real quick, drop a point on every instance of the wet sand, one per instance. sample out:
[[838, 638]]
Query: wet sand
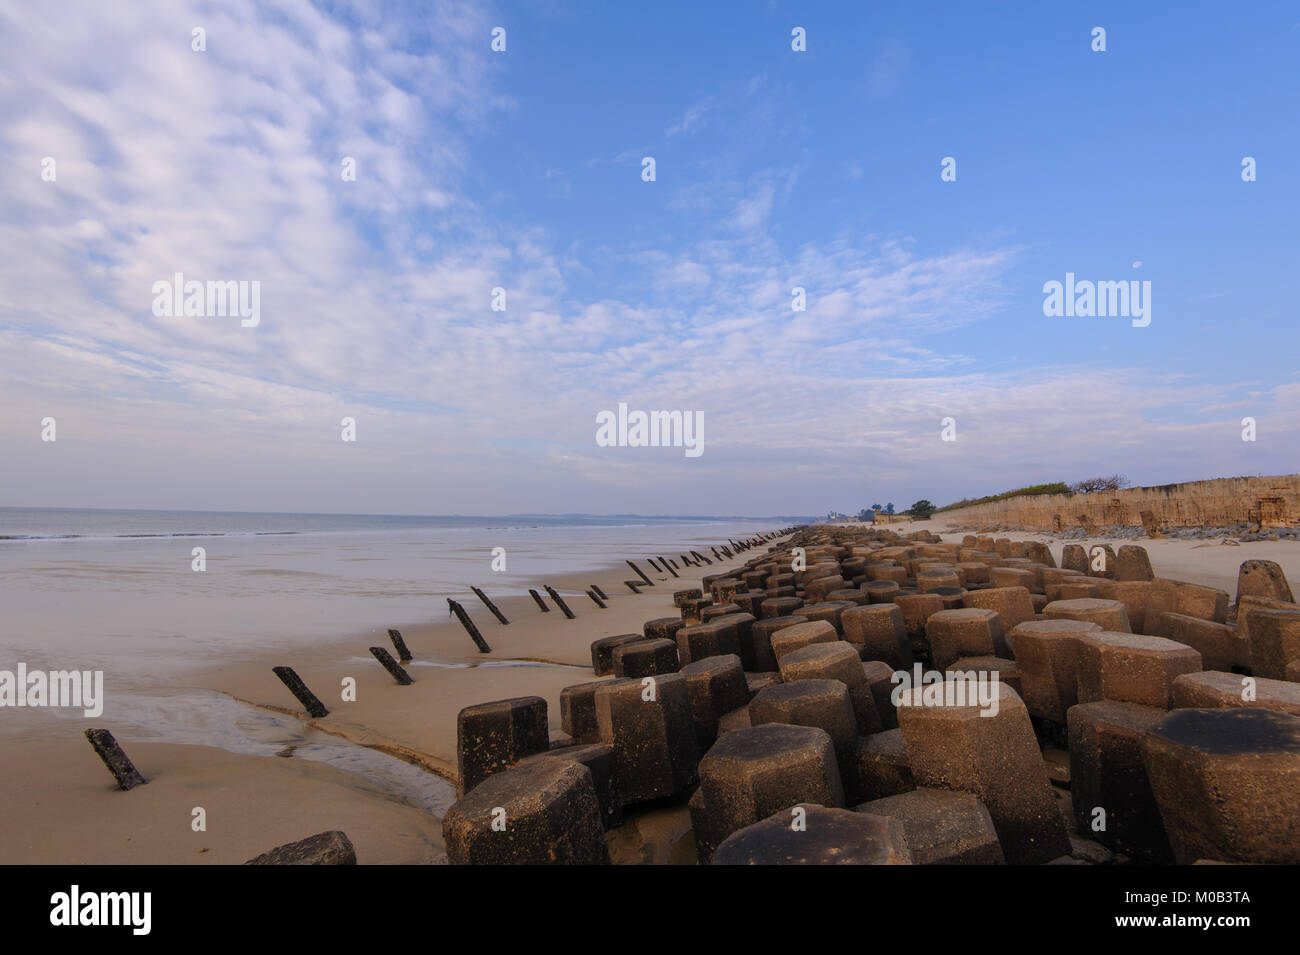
[[61, 804]]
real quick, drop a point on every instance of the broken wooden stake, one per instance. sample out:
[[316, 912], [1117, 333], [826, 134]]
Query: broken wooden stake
[[664, 564], [559, 601], [392, 666], [468, 624], [314, 707], [541, 604], [599, 603], [489, 604], [118, 763], [633, 585], [399, 644], [698, 556], [640, 573], [600, 593]]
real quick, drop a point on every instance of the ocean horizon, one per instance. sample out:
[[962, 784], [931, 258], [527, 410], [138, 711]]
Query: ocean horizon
[[19, 524]]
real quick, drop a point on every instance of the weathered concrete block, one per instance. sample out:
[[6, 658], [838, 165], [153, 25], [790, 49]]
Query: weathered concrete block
[[692, 609], [849, 595], [880, 678], [324, 848], [1047, 653], [815, 835], [880, 631], [1246, 604], [578, 711], [815, 591], [724, 588], [779, 606], [968, 632], [493, 736], [1227, 782], [716, 686], [719, 610], [1134, 595], [1110, 615], [1274, 641], [1006, 671], [917, 609], [1132, 668], [1215, 642], [835, 661], [1011, 577], [1074, 557], [1071, 590], [650, 726], [602, 651], [761, 640], [706, 640], [881, 764], [993, 757], [681, 596], [1101, 561], [599, 759], [1182, 597], [1012, 604], [1263, 578], [543, 813], [891, 572], [663, 628], [800, 635], [927, 580], [646, 658], [1215, 689], [1133, 563], [1110, 793], [824, 704], [751, 773], [942, 827], [880, 591], [826, 611]]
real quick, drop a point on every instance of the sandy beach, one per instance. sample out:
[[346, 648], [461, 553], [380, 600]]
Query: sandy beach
[[254, 802], [63, 806]]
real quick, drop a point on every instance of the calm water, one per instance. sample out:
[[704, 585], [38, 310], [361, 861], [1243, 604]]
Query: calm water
[[115, 590]]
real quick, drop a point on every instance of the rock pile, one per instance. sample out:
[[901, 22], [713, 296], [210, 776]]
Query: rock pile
[[856, 696]]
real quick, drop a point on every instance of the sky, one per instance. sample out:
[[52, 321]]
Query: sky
[[522, 169]]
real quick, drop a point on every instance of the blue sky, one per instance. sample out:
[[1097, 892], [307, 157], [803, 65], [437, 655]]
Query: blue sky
[[522, 170]]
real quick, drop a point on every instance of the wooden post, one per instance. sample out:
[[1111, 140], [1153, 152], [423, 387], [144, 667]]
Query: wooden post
[[399, 645], [468, 624], [663, 563], [118, 763], [698, 556], [490, 605], [392, 666], [540, 602], [559, 601], [599, 603], [640, 573], [314, 707], [633, 585], [600, 593]]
